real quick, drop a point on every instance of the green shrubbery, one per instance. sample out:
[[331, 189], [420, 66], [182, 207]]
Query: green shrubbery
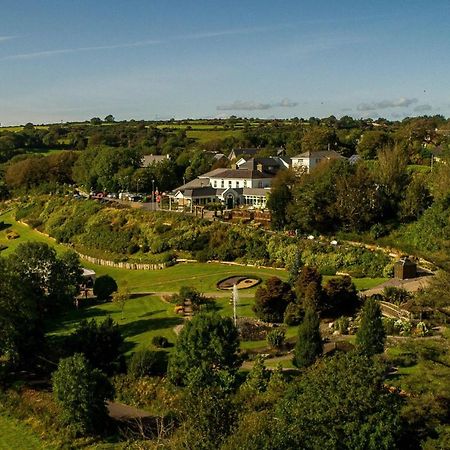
[[128, 234], [146, 363]]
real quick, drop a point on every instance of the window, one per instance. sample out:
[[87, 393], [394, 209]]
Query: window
[[237, 184], [222, 183], [215, 183], [229, 183], [245, 183]]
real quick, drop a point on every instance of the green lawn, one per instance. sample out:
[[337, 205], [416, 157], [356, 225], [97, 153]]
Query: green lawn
[[367, 283], [203, 276], [143, 318], [16, 435], [26, 234]]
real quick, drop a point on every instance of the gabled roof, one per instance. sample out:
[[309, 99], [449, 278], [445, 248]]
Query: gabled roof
[[243, 151], [255, 191], [242, 174], [329, 154], [148, 160], [195, 183], [213, 173], [206, 191]]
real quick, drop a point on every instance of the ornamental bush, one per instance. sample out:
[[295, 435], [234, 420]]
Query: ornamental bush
[[276, 338], [147, 363], [104, 286]]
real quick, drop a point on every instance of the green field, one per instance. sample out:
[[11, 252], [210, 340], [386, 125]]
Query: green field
[[202, 136], [15, 435]]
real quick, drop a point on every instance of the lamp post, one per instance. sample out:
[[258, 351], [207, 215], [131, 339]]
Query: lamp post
[[153, 195]]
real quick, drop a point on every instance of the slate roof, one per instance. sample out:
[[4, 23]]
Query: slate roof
[[320, 154], [148, 160]]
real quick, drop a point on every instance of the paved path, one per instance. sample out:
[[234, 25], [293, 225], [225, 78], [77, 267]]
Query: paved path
[[120, 411], [411, 285]]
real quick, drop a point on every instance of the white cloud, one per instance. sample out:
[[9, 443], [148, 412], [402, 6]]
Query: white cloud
[[143, 43], [423, 108], [401, 102], [78, 49], [7, 38], [286, 103], [240, 105]]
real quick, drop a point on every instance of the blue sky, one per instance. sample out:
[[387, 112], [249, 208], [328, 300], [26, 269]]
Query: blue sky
[[76, 59]]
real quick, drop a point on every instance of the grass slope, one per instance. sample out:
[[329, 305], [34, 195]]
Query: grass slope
[[143, 318], [16, 435]]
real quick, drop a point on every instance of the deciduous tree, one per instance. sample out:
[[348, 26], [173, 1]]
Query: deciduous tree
[[206, 351], [82, 393]]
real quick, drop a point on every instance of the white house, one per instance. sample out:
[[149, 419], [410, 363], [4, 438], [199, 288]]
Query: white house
[[247, 185], [308, 160]]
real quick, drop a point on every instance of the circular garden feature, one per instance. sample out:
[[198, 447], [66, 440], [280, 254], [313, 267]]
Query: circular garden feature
[[241, 282]]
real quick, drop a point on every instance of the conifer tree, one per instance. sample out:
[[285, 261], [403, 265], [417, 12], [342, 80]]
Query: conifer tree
[[371, 335], [309, 342]]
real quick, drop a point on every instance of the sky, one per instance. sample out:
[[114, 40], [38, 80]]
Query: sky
[[67, 60]]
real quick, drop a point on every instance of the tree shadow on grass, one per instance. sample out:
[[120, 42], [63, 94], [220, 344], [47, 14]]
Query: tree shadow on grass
[[70, 319], [152, 313], [137, 295], [137, 327]]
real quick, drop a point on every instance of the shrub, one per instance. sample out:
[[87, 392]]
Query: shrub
[[276, 338], [100, 342], [341, 295], [160, 341], [293, 314], [132, 249], [104, 286], [378, 230], [342, 324], [147, 363], [272, 300], [395, 295], [81, 393], [389, 326]]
